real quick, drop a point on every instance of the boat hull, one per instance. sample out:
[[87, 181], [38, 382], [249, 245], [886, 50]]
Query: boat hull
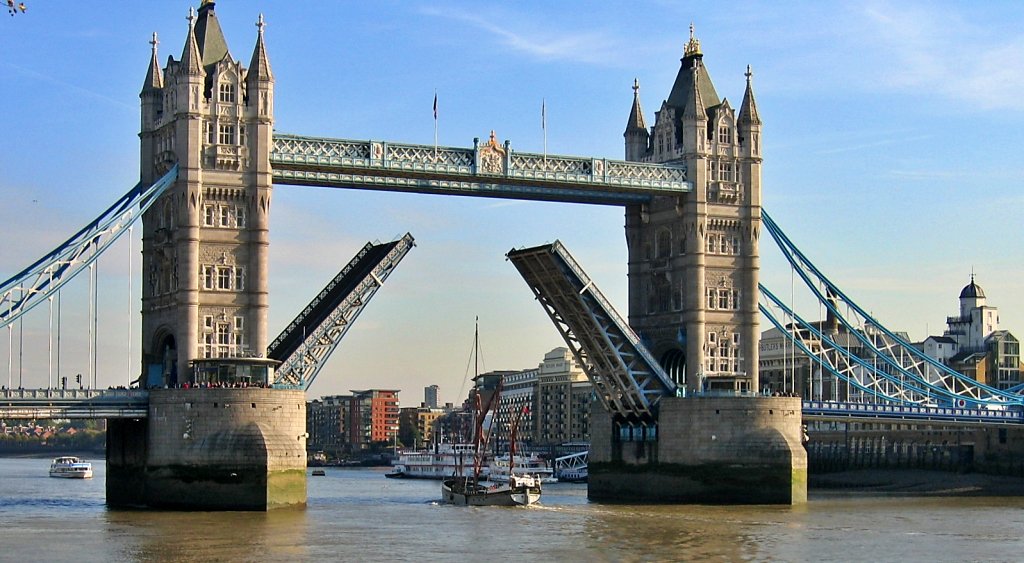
[[75, 474]]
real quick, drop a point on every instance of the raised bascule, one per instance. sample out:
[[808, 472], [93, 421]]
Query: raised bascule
[[218, 419]]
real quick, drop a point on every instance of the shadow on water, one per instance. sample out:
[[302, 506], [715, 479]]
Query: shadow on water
[[278, 535]]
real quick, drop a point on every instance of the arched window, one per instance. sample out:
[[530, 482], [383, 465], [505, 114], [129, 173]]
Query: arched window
[[663, 243], [226, 93]]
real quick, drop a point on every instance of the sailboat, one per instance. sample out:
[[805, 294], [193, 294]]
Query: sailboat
[[472, 490]]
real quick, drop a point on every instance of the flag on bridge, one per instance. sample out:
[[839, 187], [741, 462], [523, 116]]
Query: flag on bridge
[[544, 124]]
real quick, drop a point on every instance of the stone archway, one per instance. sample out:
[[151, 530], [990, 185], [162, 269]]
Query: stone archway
[[673, 361], [168, 356]]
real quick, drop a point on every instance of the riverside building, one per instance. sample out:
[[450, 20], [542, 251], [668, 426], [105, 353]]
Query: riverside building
[[974, 345]]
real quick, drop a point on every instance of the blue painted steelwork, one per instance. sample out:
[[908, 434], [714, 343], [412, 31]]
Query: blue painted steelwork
[[487, 170], [626, 378], [74, 403], [824, 362], [35, 284], [831, 410], [926, 373]]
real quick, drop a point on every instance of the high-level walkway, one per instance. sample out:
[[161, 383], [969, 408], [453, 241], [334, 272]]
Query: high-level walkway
[[485, 170]]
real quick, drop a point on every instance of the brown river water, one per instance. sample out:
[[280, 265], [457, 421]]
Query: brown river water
[[358, 515]]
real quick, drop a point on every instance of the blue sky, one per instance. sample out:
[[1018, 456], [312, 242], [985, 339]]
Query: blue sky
[[892, 140]]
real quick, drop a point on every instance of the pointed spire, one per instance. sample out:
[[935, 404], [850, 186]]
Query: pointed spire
[[695, 108], [636, 115], [154, 79], [259, 66], [191, 58], [748, 109]]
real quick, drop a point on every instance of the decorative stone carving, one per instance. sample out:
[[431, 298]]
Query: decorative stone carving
[[492, 157]]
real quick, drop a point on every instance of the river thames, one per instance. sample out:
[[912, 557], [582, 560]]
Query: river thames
[[357, 514]]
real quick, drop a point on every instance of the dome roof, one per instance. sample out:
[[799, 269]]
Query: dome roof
[[972, 291]]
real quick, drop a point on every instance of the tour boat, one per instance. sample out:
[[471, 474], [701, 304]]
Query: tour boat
[[69, 467], [445, 460]]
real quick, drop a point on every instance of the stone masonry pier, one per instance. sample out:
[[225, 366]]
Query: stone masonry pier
[[716, 450], [211, 449]]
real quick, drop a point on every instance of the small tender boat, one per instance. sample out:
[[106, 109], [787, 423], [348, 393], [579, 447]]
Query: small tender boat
[[319, 473], [70, 467]]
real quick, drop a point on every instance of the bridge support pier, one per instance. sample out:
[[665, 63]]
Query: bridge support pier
[[211, 449], [712, 450]]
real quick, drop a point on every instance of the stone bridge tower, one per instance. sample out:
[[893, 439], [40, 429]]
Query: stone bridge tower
[[693, 260], [205, 243]]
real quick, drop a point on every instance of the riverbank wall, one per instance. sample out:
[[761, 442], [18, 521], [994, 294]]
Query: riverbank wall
[[990, 450]]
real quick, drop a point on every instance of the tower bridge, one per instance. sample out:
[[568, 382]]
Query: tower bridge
[[680, 416]]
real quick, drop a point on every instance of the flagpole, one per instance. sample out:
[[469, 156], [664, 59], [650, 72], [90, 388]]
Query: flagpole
[[544, 124], [435, 123]]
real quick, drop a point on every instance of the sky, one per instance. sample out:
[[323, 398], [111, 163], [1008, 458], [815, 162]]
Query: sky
[[892, 135]]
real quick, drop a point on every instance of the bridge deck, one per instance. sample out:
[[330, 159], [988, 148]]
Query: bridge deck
[[74, 403], [487, 170]]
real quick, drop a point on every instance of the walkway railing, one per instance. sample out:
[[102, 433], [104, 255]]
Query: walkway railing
[[74, 403], [829, 410]]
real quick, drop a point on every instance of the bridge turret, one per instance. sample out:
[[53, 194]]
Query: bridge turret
[[693, 260], [152, 100], [636, 134], [205, 244], [259, 128], [748, 178]]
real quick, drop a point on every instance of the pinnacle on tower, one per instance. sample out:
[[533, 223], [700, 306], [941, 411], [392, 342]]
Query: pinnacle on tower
[[191, 57], [636, 115], [154, 78], [259, 66], [693, 45], [748, 109]]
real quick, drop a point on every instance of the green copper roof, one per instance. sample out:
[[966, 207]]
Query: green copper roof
[[682, 87], [209, 35]]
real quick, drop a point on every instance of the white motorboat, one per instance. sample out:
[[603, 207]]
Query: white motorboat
[[70, 467]]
